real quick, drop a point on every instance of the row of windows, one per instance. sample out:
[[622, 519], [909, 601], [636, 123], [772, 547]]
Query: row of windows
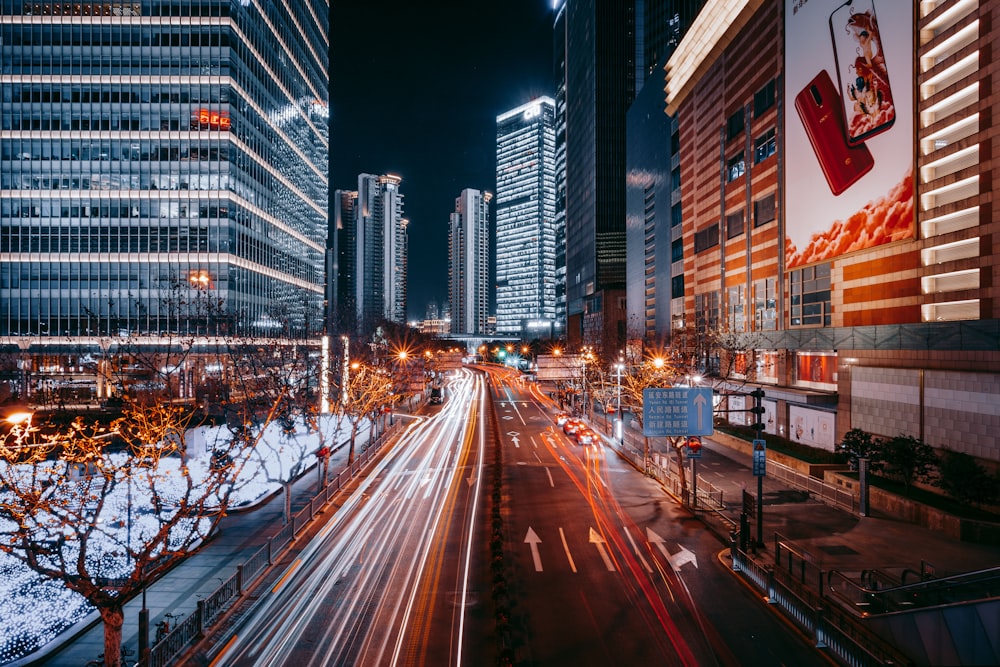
[[185, 8], [735, 225], [764, 147], [141, 94], [113, 151], [763, 100]]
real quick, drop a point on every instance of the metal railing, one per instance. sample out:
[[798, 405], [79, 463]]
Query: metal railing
[[788, 584], [215, 605]]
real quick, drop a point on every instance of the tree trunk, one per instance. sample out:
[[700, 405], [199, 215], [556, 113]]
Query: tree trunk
[[675, 443], [113, 618], [287, 484]]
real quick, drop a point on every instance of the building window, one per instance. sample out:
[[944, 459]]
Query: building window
[[677, 287], [763, 146], [735, 167], [734, 307], [677, 250], [763, 99], [675, 215], [734, 224], [706, 320], [675, 177], [675, 143], [765, 303], [810, 295], [706, 238], [763, 210], [735, 125]]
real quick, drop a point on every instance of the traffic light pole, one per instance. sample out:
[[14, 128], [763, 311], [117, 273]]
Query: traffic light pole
[[758, 426]]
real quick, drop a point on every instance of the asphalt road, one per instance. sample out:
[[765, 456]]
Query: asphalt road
[[608, 569], [386, 581]]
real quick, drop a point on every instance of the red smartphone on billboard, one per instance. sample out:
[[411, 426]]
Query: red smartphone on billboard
[[861, 71], [820, 110]]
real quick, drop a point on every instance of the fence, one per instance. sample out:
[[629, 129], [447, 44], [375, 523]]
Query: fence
[[212, 608], [795, 586]]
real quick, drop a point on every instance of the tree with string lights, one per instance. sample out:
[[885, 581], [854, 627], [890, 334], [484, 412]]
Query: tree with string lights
[[66, 507]]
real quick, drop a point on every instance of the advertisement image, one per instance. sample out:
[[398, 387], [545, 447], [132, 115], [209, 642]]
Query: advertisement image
[[849, 145]]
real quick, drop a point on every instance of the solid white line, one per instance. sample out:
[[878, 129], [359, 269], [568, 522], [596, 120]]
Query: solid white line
[[569, 556], [551, 482]]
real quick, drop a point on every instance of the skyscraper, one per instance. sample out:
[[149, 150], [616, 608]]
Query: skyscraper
[[525, 215], [600, 83], [469, 262], [380, 245], [158, 161]]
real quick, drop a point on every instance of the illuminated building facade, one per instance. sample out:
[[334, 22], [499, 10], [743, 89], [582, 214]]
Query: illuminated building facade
[[469, 262], [865, 286], [163, 167], [525, 220], [379, 251]]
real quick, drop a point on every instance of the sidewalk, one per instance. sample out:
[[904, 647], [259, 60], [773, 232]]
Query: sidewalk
[[828, 537]]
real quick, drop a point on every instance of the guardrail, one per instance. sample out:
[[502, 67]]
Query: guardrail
[[215, 605], [786, 585]]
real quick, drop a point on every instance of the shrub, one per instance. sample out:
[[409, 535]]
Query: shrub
[[906, 459], [859, 444], [965, 480]]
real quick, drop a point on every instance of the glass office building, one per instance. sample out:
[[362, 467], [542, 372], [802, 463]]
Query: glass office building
[[525, 214], [163, 167]]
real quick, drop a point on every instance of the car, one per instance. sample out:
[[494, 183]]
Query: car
[[572, 426], [561, 418], [585, 436]]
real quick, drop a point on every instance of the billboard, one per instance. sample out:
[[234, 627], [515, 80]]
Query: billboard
[[558, 367], [849, 127]]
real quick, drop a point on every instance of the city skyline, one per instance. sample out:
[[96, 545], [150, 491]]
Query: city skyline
[[423, 106]]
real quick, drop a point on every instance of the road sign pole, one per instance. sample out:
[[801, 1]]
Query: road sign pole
[[694, 482], [760, 510]]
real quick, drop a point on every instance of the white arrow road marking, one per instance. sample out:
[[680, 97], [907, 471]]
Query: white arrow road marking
[[517, 443], [532, 540], [635, 548], [681, 557], [677, 560], [598, 541], [569, 556]]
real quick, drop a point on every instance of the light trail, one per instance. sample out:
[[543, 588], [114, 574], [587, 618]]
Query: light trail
[[363, 591]]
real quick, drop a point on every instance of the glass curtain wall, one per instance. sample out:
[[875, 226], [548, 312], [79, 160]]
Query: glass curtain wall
[[163, 167]]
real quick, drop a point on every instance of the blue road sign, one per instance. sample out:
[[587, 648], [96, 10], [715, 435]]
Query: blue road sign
[[677, 411], [759, 458]]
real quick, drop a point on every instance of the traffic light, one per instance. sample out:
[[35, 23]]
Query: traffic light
[[757, 410]]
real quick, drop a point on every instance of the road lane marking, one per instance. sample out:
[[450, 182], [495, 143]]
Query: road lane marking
[[598, 541], [532, 540], [533, 443], [569, 556], [551, 482], [635, 548]]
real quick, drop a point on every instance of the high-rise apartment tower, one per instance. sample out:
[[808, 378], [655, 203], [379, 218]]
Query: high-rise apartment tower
[[469, 262]]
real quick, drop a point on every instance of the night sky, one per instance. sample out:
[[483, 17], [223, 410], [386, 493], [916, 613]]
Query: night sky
[[415, 90]]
